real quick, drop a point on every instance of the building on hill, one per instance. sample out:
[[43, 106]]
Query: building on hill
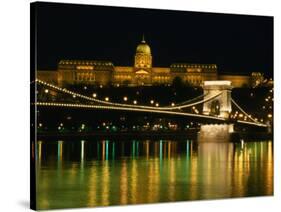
[[142, 73]]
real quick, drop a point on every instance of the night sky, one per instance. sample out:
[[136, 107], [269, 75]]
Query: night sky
[[236, 43]]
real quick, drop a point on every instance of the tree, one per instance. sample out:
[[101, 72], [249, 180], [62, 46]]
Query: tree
[[177, 82]]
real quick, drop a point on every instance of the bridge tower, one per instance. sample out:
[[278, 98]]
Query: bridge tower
[[220, 105]]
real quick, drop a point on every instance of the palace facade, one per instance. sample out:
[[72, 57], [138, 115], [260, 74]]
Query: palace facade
[[142, 73]]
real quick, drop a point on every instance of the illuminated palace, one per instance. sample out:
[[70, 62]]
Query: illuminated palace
[[142, 73]]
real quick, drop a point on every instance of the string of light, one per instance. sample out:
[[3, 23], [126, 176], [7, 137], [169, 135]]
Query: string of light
[[246, 114], [55, 104], [177, 106]]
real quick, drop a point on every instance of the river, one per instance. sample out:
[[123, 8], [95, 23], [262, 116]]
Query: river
[[96, 172]]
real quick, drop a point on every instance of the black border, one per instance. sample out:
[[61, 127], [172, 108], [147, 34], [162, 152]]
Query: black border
[[33, 46]]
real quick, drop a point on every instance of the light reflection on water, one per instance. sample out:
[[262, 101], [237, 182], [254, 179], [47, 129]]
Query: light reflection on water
[[99, 173]]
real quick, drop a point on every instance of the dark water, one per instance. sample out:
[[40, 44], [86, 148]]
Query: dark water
[[93, 172]]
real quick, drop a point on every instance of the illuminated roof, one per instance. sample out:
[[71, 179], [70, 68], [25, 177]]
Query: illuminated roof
[[143, 48]]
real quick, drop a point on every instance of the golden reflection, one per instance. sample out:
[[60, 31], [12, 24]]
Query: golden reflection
[[172, 180], [169, 149], [156, 180], [147, 149], [124, 184], [73, 171], [105, 184], [92, 193], [194, 176], [134, 182], [150, 184], [203, 171], [269, 170]]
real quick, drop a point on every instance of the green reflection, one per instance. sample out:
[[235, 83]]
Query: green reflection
[[164, 170]]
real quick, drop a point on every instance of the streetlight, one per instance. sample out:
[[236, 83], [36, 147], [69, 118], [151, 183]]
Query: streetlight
[[135, 102], [156, 104], [94, 95], [269, 115], [152, 101], [125, 98], [46, 91], [173, 104], [106, 99]]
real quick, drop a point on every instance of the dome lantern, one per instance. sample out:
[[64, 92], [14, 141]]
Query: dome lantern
[[143, 47]]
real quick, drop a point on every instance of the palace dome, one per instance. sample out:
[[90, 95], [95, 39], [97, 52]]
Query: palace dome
[[143, 48]]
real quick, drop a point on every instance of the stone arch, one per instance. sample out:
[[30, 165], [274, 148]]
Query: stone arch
[[223, 101]]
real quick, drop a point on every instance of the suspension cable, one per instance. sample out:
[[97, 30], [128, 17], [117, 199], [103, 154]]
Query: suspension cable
[[244, 111], [178, 106]]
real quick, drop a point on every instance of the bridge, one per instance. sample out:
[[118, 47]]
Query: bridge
[[216, 100]]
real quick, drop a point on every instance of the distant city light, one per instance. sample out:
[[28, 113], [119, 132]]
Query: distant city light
[[94, 95], [269, 115], [151, 101], [46, 91], [125, 98], [135, 102], [106, 99], [157, 104], [173, 104]]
